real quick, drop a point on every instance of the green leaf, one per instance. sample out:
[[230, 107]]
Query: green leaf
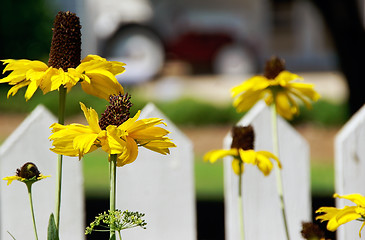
[[113, 237], [52, 229]]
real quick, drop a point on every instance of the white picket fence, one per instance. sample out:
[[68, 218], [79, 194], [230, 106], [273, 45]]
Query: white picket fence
[[163, 186]]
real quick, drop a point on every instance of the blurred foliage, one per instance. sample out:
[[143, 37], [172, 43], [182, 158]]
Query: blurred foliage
[[185, 111], [25, 29], [324, 113]]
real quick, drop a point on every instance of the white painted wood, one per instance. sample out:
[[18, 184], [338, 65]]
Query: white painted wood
[[261, 205], [349, 168], [29, 143], [162, 187]]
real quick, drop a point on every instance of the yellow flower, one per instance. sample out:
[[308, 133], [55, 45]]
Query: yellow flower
[[12, 178], [259, 158], [28, 174], [276, 86], [123, 140], [95, 74], [242, 152], [337, 217]]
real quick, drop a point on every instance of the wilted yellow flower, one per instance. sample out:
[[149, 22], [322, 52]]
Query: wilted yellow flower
[[337, 217], [123, 139], [242, 152], [276, 86]]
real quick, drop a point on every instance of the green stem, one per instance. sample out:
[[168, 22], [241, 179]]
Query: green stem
[[29, 186], [113, 179], [61, 120], [279, 182], [240, 207]]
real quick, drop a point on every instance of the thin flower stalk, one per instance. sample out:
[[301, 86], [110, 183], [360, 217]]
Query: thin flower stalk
[[61, 120], [29, 187], [279, 181], [240, 203], [112, 198]]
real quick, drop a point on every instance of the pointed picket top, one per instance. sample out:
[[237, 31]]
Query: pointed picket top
[[349, 167], [161, 186], [29, 143], [261, 205]]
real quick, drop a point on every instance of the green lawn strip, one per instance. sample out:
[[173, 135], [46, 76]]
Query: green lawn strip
[[96, 174], [209, 184], [322, 178]]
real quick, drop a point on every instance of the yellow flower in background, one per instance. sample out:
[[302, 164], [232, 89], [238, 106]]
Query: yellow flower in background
[[337, 217], [28, 174], [95, 74], [122, 138], [277, 86], [259, 158], [242, 152]]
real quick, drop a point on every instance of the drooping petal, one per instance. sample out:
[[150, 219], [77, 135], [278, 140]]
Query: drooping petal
[[264, 164], [255, 83], [270, 155], [237, 167], [284, 106], [247, 100], [99, 75], [129, 154], [248, 156], [214, 155], [116, 140], [160, 146], [347, 214], [357, 198]]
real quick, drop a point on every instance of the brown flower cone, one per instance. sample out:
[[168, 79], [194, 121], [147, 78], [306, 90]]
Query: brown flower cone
[[66, 41]]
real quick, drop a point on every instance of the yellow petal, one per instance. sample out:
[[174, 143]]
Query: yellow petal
[[237, 167], [160, 146], [253, 84], [214, 155], [11, 179], [357, 198], [247, 100], [91, 117], [270, 155], [130, 153]]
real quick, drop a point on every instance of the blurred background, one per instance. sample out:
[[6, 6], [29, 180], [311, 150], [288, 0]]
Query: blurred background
[[185, 56]]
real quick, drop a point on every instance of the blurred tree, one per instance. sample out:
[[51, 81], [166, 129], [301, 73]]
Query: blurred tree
[[25, 29], [345, 25]]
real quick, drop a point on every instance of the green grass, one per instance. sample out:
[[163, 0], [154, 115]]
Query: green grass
[[322, 179], [208, 178], [185, 111]]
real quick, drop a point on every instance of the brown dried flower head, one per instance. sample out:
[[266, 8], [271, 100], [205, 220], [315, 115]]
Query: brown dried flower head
[[66, 41], [117, 112], [243, 137], [273, 67]]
